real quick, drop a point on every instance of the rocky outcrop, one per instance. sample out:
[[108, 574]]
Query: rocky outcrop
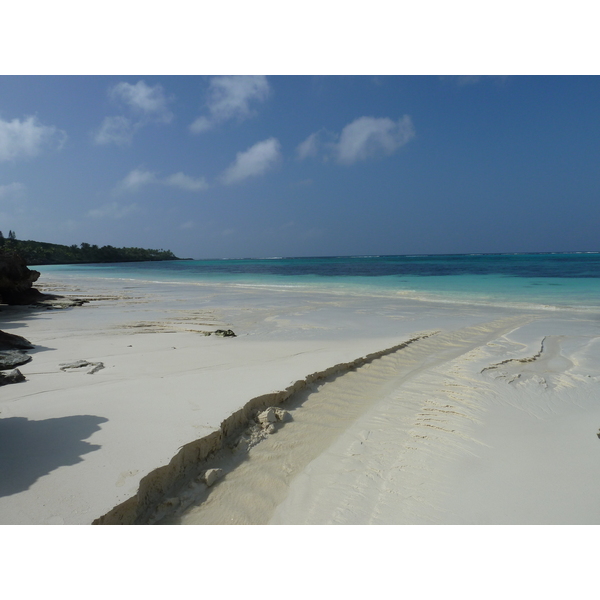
[[16, 287], [12, 355], [11, 377], [10, 341], [16, 280], [224, 333], [10, 359]]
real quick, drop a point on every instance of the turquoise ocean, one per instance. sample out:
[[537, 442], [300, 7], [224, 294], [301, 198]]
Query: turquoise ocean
[[556, 280]]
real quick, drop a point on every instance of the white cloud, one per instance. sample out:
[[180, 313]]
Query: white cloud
[[24, 139], [255, 161], [188, 225], [149, 101], [146, 104], [185, 182], [309, 147], [115, 130], [135, 180], [11, 190], [112, 210], [201, 124], [364, 138], [229, 97], [368, 137], [138, 178]]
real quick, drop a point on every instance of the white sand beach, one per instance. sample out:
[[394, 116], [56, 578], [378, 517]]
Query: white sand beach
[[471, 415]]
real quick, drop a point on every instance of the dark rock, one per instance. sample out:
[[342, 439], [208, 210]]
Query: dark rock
[[8, 341], [225, 333], [12, 377], [16, 280], [13, 358]]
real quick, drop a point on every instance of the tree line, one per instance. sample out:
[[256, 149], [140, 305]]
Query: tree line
[[45, 253]]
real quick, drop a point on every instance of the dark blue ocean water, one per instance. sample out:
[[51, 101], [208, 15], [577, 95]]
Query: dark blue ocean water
[[539, 279]]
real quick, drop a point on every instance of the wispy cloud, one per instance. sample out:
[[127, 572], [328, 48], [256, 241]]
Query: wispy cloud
[[320, 143], [368, 137], [185, 182], [201, 124], [230, 97], [113, 210], [115, 130], [145, 104], [139, 178], [135, 180], [257, 160], [27, 138], [149, 101], [309, 147], [364, 138]]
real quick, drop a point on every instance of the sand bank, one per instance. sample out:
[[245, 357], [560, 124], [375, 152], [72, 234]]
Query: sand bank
[[441, 429]]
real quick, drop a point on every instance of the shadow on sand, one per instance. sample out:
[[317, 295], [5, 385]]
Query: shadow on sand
[[31, 449]]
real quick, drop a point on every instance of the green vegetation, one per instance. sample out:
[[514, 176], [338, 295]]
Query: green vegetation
[[43, 253]]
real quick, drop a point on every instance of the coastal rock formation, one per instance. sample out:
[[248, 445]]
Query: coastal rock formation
[[12, 355], [225, 333], [11, 377], [8, 341], [13, 358], [16, 280]]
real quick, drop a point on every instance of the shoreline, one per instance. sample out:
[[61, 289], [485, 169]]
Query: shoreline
[[169, 396]]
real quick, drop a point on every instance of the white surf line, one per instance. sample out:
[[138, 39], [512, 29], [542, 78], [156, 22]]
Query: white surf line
[[258, 480]]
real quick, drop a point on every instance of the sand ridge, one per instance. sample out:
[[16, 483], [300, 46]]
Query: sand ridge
[[250, 493]]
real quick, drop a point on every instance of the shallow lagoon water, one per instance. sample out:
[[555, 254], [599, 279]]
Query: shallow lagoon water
[[537, 280]]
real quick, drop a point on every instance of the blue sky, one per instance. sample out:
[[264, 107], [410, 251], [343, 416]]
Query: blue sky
[[255, 166]]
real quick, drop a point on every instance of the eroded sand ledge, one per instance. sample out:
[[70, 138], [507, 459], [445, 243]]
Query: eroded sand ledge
[[165, 482]]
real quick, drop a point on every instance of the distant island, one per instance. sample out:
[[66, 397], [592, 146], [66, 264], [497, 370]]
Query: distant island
[[44, 253]]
